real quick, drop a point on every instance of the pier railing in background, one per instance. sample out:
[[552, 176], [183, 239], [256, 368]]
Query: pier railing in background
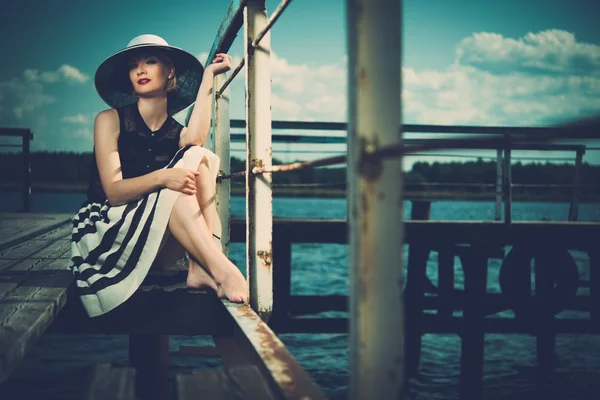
[[26, 138], [374, 174]]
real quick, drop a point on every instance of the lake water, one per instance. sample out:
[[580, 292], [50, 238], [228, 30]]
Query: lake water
[[57, 365]]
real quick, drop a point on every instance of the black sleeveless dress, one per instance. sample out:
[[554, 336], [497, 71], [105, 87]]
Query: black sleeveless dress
[[113, 247]]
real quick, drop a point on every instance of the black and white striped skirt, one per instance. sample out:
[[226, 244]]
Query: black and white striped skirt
[[113, 247]]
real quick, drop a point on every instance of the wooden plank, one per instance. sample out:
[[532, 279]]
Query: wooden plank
[[28, 252], [28, 310], [236, 383], [19, 227], [108, 382]]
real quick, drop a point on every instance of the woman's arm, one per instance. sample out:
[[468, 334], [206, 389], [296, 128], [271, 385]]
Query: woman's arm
[[199, 124], [118, 190]]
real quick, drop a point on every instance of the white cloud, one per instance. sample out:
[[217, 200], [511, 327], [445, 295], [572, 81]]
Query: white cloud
[[23, 97], [76, 119], [550, 51], [83, 132], [65, 73]]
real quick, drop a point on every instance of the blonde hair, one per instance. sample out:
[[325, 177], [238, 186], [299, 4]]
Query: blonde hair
[[163, 58]]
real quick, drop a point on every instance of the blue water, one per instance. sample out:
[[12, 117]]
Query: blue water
[[56, 366]]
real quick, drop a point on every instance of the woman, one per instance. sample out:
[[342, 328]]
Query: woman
[[151, 179]]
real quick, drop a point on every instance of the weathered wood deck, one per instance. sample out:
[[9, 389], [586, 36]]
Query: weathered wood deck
[[37, 295]]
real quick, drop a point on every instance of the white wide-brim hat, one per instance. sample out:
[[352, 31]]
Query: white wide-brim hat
[[112, 76]]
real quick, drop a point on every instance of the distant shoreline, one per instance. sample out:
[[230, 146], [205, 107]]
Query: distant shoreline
[[238, 190]]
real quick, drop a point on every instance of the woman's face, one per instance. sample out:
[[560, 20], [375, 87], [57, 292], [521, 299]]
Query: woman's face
[[148, 75]]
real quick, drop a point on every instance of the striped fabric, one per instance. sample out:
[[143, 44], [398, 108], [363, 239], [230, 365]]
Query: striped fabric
[[112, 248]]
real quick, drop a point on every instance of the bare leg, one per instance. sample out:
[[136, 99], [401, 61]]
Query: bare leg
[[198, 276], [189, 228]]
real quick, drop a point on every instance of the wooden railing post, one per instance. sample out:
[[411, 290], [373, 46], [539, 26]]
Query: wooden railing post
[[259, 199], [27, 171], [574, 208], [507, 181], [499, 186]]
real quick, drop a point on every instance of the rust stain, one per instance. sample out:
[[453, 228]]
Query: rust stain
[[370, 167], [258, 163], [285, 370], [266, 256]]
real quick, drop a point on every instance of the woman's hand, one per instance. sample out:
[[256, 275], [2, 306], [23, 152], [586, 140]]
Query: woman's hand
[[180, 179], [221, 63]]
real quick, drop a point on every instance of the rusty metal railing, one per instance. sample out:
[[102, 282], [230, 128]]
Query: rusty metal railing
[[374, 186]]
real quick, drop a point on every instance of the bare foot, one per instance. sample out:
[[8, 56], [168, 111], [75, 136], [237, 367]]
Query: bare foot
[[234, 285], [198, 278]]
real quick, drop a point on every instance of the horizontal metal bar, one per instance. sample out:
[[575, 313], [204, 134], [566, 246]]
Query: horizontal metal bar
[[313, 139], [552, 185], [583, 129], [272, 19], [22, 132], [231, 176], [11, 145], [300, 165]]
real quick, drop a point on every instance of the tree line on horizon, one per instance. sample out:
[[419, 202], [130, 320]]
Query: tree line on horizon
[[66, 167]]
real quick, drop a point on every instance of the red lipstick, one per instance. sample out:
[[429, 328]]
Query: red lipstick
[[143, 81]]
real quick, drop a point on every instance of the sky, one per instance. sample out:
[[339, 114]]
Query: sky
[[464, 62]]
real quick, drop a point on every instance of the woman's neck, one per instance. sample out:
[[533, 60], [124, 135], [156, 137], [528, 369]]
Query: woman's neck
[[153, 111]]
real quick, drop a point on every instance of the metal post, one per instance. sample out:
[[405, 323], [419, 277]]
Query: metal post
[[26, 171], [376, 200], [574, 209], [507, 183], [222, 150], [499, 187], [259, 200]]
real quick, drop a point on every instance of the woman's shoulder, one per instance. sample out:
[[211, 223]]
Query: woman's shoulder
[[107, 121], [107, 115]]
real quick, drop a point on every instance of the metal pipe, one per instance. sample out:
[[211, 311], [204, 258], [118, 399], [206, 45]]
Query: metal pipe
[[222, 150], [259, 198], [282, 6], [300, 165], [375, 200], [272, 19], [235, 72]]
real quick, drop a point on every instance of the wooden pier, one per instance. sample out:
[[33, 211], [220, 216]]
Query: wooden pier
[[37, 296]]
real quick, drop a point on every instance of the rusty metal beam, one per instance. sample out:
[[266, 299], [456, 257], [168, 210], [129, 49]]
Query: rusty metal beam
[[228, 30], [261, 346], [259, 197], [375, 198]]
